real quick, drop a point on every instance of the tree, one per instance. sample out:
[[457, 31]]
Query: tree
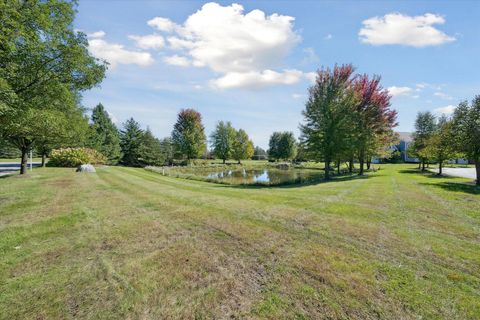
[[131, 138], [150, 150], [372, 116], [242, 147], [104, 137], [259, 154], [222, 139], [327, 115], [283, 145], [466, 125], [424, 128], [188, 134], [167, 150], [440, 145], [44, 64]]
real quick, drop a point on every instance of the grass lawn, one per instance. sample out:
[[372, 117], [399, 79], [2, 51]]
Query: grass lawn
[[126, 243], [18, 160]]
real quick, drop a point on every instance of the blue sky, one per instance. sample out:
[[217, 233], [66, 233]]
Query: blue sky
[[251, 63]]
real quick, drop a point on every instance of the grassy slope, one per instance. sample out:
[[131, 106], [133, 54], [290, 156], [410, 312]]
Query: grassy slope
[[127, 243]]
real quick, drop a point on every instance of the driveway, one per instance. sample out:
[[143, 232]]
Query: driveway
[[11, 167], [459, 172]]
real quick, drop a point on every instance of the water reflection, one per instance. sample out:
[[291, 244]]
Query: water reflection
[[265, 176]]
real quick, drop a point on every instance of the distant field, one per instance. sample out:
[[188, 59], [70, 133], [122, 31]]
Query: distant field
[[18, 160], [126, 243]]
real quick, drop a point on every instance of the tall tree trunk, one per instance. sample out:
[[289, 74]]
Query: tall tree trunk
[[419, 165], [440, 167], [477, 168], [423, 165], [223, 161], [43, 160], [350, 166], [361, 158], [338, 167], [327, 169], [369, 162], [24, 160]]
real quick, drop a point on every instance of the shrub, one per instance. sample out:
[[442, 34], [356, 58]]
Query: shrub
[[73, 157]]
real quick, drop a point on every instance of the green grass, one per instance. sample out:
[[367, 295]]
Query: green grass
[[18, 160], [126, 243]]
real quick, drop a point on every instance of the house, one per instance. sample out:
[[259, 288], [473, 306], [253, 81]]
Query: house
[[406, 138]]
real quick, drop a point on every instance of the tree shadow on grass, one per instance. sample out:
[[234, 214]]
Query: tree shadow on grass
[[456, 187], [428, 174]]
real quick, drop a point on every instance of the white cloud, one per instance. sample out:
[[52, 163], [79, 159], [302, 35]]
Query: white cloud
[[442, 95], [96, 34], [115, 53], [151, 41], [396, 28], [244, 48], [177, 60], [398, 91], [256, 79], [310, 76], [162, 24], [328, 36], [113, 118], [445, 110]]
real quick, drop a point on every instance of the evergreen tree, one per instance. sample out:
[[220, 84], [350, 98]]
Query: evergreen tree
[[222, 140], [283, 145], [188, 134], [242, 147], [131, 138], [274, 146], [150, 150], [104, 137], [167, 150]]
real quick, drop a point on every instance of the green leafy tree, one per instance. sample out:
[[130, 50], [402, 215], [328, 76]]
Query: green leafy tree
[[222, 139], [424, 128], [131, 138], [259, 154], [167, 150], [440, 145], [327, 115], [466, 125], [188, 134], [283, 145], [104, 134], [44, 64], [242, 146]]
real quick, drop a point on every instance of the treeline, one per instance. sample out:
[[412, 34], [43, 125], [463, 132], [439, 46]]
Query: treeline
[[444, 138]]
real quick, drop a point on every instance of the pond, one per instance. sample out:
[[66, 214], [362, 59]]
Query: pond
[[268, 176]]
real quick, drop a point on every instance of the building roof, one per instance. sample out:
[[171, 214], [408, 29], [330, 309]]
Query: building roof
[[406, 136]]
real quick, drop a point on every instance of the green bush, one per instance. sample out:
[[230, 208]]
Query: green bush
[[73, 157]]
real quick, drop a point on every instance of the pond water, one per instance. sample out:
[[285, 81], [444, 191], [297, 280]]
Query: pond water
[[268, 176]]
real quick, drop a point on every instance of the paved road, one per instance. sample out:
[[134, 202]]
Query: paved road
[[459, 172], [11, 167]]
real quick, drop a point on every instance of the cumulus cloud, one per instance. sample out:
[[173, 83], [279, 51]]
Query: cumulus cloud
[[177, 60], [257, 79], [151, 41], [162, 24], [245, 48], [396, 28], [96, 34], [398, 91], [115, 53], [445, 110]]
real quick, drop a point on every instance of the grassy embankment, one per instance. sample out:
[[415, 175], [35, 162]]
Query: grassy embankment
[[128, 243]]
